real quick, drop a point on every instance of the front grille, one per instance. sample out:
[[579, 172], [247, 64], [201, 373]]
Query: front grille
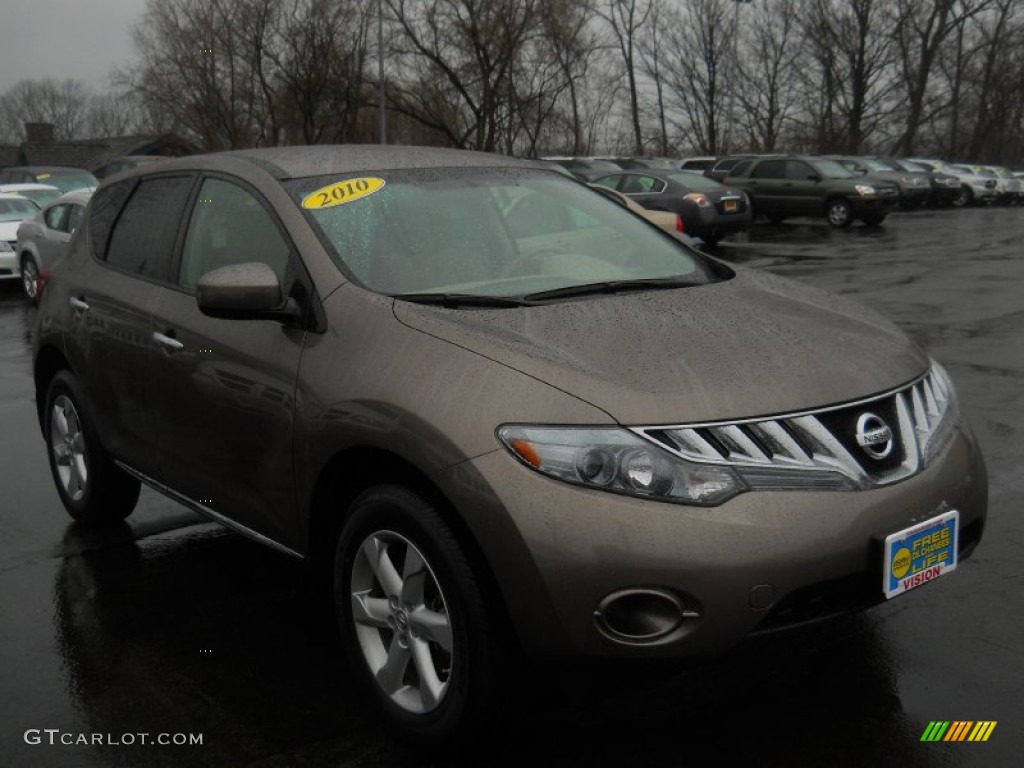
[[883, 191], [990, 184], [825, 441]]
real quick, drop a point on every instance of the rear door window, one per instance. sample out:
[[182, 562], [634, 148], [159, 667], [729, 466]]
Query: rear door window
[[770, 169], [106, 204], [143, 238]]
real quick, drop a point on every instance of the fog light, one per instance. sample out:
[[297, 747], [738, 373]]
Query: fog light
[[640, 615]]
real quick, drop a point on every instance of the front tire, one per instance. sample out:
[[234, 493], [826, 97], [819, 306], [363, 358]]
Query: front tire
[[839, 213], [418, 629], [965, 198], [875, 220], [93, 489], [30, 278]]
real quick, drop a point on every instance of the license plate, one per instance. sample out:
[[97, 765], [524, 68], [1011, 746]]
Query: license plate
[[921, 553], [731, 205]]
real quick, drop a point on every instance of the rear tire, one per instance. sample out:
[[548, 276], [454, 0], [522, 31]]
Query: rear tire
[[94, 490], [839, 213], [423, 638]]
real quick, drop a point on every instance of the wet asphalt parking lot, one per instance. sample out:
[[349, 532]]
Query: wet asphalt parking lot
[[168, 624]]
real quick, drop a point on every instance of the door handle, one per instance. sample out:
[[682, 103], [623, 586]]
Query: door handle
[[77, 303], [168, 341]]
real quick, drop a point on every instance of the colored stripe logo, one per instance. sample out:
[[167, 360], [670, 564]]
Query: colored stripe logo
[[958, 730]]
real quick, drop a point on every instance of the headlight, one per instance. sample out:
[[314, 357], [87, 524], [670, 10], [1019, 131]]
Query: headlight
[[948, 408], [616, 460], [5, 247], [699, 198], [865, 189]]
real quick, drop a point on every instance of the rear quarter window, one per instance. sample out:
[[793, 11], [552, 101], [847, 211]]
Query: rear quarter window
[[104, 207]]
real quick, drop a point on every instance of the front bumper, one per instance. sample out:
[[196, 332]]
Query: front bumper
[[740, 566], [874, 205], [9, 265]]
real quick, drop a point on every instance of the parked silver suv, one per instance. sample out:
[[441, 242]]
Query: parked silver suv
[[504, 413]]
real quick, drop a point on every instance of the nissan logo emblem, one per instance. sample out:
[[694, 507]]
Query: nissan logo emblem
[[874, 436]]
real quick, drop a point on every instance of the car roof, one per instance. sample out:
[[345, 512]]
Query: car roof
[[25, 186], [297, 162], [46, 168], [74, 196]]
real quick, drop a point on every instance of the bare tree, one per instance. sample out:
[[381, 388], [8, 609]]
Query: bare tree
[[625, 19], [771, 49], [64, 104], [922, 29], [455, 59], [699, 44], [851, 44]]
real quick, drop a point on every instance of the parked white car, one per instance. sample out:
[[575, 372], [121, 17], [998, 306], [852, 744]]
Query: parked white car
[[41, 194], [14, 209], [974, 187], [43, 239]]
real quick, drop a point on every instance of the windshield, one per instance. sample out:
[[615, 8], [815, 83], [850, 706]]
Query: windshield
[[40, 196], [912, 166], [14, 209], [830, 169], [879, 165], [493, 232], [68, 181]]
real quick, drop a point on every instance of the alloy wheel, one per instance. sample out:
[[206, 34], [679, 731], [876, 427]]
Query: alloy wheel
[[30, 278], [67, 441], [839, 213], [401, 621]]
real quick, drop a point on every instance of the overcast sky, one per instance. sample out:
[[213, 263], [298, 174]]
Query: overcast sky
[[80, 39]]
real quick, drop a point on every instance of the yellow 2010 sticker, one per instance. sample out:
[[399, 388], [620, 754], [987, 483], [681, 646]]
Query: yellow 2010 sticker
[[347, 191]]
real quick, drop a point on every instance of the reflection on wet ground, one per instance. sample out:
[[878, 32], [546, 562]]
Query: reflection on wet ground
[[169, 624]]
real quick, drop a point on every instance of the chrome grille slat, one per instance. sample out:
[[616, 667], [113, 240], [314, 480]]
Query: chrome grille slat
[[803, 442], [738, 444]]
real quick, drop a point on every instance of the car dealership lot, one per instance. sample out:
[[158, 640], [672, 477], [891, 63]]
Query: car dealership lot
[[171, 625]]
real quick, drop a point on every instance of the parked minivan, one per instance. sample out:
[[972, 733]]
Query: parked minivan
[[507, 416]]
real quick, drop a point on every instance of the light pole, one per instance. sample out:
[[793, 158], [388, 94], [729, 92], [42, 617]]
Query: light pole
[[735, 77], [382, 120]]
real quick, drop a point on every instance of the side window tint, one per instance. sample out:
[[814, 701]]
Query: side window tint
[[638, 185], [230, 226], [56, 216], [771, 169], [74, 218], [105, 205], [798, 171], [741, 169], [142, 242], [612, 182]]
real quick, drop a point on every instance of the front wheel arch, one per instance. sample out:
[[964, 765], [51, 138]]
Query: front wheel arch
[[370, 466]]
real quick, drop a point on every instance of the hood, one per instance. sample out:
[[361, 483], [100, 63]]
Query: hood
[[755, 345]]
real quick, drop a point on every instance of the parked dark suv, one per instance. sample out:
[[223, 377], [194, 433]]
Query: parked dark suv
[[505, 414], [780, 187]]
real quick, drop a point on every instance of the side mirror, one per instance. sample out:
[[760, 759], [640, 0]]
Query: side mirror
[[249, 291]]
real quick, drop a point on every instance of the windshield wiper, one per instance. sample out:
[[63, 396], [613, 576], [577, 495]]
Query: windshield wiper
[[611, 286], [463, 300]]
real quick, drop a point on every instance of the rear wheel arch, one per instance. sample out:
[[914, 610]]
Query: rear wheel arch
[[49, 362]]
